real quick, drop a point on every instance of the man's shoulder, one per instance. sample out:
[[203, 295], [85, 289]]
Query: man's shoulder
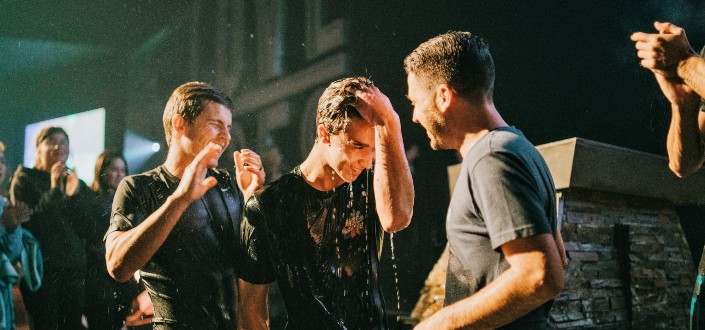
[[273, 194], [144, 177]]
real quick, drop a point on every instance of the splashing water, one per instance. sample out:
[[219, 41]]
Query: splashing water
[[396, 275]]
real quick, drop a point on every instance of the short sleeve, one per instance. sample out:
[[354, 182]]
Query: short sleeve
[[126, 212], [508, 198], [255, 267]]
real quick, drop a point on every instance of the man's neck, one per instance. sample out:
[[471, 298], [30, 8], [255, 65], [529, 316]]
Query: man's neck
[[316, 171], [488, 120], [177, 161]]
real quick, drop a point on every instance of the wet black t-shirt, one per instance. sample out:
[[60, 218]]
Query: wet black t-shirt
[[324, 247], [190, 277]]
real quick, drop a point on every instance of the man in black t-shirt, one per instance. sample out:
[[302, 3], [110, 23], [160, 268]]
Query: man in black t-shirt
[[177, 223], [320, 226]]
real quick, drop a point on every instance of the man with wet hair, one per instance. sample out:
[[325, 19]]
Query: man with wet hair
[[320, 226], [179, 223], [504, 264]]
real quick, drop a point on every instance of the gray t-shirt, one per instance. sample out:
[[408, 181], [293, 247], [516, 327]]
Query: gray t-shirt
[[504, 192]]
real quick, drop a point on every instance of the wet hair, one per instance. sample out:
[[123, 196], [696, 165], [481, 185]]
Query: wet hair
[[48, 131], [188, 100], [335, 106], [459, 59], [101, 165]]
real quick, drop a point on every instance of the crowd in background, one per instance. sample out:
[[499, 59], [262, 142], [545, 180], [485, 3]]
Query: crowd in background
[[52, 237]]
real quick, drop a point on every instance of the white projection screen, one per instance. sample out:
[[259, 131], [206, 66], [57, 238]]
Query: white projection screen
[[86, 132]]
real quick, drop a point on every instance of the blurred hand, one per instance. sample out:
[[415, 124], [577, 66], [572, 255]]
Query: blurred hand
[[194, 183], [142, 311], [73, 184], [14, 215], [58, 173], [248, 171]]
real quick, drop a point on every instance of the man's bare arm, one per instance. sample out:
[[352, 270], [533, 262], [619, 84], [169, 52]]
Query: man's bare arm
[[252, 306], [128, 251], [393, 186], [535, 276]]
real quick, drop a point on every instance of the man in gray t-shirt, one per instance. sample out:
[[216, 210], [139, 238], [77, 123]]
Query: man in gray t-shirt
[[505, 262]]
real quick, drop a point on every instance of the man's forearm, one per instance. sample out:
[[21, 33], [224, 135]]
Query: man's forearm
[[685, 140], [535, 276], [394, 188], [128, 251]]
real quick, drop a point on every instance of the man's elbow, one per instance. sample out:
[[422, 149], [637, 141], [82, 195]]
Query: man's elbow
[[116, 268], [551, 284], [399, 221], [118, 274], [683, 170]]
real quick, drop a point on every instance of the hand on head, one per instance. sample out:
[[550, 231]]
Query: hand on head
[[662, 52], [373, 105]]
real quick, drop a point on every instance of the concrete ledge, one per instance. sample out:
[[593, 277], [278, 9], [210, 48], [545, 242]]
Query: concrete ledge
[[580, 163]]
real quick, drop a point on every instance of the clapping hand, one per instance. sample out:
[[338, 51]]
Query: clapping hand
[[248, 171]]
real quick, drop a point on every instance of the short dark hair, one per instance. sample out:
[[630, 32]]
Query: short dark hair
[[101, 165], [335, 106], [48, 131], [459, 59], [188, 100]]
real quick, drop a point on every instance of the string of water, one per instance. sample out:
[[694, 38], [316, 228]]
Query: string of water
[[396, 275]]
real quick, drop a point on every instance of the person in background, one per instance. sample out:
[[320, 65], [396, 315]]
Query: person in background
[[11, 247], [62, 208], [109, 301]]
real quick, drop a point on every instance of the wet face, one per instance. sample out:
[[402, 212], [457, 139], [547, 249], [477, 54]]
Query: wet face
[[114, 173], [212, 125], [426, 112], [53, 149], [3, 167], [352, 150]]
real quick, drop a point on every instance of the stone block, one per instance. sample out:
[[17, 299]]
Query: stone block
[[606, 283], [583, 256]]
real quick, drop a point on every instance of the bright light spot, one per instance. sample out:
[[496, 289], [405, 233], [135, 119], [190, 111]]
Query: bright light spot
[[156, 147]]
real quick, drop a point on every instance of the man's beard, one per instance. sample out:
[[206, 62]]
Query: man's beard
[[437, 128]]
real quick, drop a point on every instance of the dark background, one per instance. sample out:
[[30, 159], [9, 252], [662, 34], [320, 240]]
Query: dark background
[[564, 69]]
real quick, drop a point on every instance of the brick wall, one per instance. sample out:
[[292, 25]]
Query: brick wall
[[629, 264]]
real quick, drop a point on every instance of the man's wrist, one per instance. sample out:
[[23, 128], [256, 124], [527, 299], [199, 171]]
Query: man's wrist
[[687, 67]]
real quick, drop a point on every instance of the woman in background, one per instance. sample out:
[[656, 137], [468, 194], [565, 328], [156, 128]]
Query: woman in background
[[62, 210], [109, 302]]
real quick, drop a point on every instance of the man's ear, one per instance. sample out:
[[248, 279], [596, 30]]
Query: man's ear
[[322, 135], [445, 97], [178, 124]]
